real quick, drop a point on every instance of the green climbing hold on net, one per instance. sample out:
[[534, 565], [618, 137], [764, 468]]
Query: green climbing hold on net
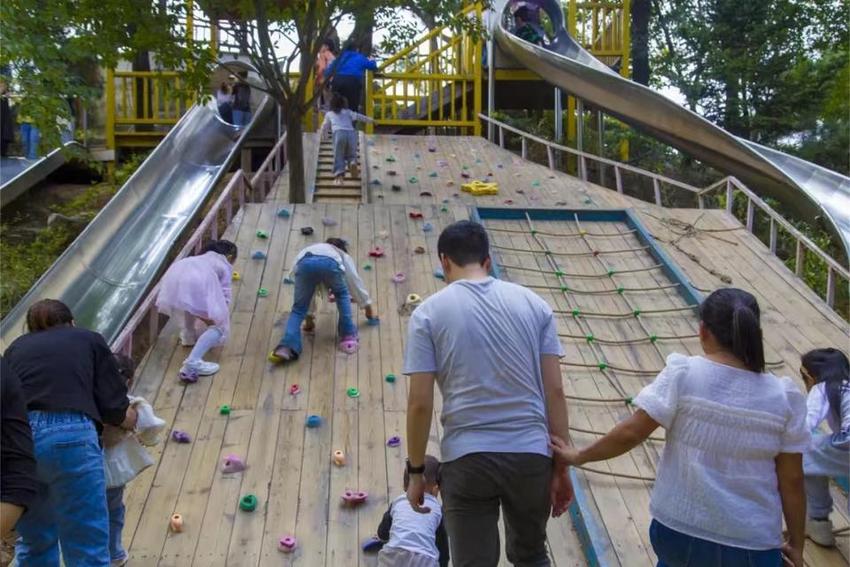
[[590, 337], [547, 252], [653, 338], [629, 401], [603, 365], [620, 290], [611, 272], [565, 288], [636, 312], [576, 312], [533, 231], [559, 273]]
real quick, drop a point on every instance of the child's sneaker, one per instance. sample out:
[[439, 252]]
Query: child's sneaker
[[188, 337], [820, 532], [349, 345], [201, 367]]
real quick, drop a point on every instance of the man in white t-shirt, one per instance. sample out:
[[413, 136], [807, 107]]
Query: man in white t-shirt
[[492, 348]]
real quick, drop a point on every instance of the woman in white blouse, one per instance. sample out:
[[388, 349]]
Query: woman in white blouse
[[732, 464]]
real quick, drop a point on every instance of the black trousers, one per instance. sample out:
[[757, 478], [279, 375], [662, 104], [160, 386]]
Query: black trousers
[[351, 87]]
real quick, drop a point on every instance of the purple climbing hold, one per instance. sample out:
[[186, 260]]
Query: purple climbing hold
[[188, 376], [394, 441], [180, 436]]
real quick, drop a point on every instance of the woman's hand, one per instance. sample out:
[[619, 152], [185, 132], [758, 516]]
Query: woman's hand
[[564, 453], [130, 419], [792, 555]]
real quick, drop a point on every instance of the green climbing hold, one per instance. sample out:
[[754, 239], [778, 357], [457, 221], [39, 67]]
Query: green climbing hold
[[432, 174], [444, 209], [629, 401], [565, 288], [367, 267], [636, 312], [559, 273], [588, 201], [611, 272], [248, 503], [620, 290], [533, 231], [603, 365], [464, 167], [353, 393], [224, 409], [262, 234], [413, 179], [390, 158], [547, 252], [576, 312], [535, 184], [262, 292], [590, 337], [653, 338], [390, 378]]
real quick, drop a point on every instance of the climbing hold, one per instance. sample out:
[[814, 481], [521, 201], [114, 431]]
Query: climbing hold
[[464, 167], [287, 544], [533, 232], [426, 194], [432, 174], [376, 252], [565, 288], [444, 209], [480, 188], [413, 299], [535, 184], [450, 183], [307, 230], [258, 255], [383, 234], [338, 458], [442, 163], [180, 436], [509, 201], [262, 292], [478, 160], [611, 272], [419, 250], [390, 159], [636, 312], [283, 213], [589, 337], [465, 175], [629, 401], [499, 165], [653, 338], [576, 312], [262, 234], [621, 290], [427, 227], [582, 232], [236, 276], [396, 188], [394, 441], [415, 215], [413, 179], [376, 182], [559, 273], [224, 409], [294, 390], [399, 277], [176, 523], [232, 464], [328, 221], [188, 376], [438, 273], [390, 378], [373, 321], [354, 497], [288, 280], [416, 155], [248, 503], [602, 365], [392, 172], [349, 345], [596, 252], [352, 393], [520, 192], [371, 544], [314, 421]]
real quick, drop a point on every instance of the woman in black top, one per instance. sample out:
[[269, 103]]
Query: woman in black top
[[71, 385]]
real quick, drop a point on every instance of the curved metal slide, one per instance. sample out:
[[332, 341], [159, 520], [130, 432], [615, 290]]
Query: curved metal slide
[[106, 271], [801, 186], [18, 174]]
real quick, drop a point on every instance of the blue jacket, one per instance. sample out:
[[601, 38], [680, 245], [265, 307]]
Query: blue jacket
[[351, 63]]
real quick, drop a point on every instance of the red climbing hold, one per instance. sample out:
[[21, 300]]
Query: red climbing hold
[[376, 252], [354, 497], [416, 215], [294, 390]]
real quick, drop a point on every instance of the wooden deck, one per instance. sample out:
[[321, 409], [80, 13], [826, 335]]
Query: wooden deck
[[289, 466]]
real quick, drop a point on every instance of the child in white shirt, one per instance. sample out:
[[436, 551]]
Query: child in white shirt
[[413, 539], [826, 373], [340, 120]]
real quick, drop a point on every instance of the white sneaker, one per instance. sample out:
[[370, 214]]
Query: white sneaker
[[820, 532], [202, 367], [187, 337]]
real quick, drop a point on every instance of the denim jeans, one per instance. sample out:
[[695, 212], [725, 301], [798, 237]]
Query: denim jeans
[[241, 117], [309, 273], [820, 462], [30, 138], [345, 150], [70, 508], [115, 504], [675, 549]]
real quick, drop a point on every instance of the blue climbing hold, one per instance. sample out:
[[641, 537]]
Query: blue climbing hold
[[314, 421], [258, 255], [283, 213], [376, 182], [372, 544], [427, 227], [373, 321], [438, 273]]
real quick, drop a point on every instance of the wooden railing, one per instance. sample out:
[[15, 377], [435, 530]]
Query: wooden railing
[[603, 28], [730, 186], [145, 324]]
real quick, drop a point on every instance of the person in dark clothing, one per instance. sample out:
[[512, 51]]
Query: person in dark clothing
[[242, 100], [72, 386], [7, 125], [17, 459], [346, 74], [411, 538], [526, 27]]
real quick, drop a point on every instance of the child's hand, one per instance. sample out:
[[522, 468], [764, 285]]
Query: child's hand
[[564, 453], [130, 419], [370, 312]]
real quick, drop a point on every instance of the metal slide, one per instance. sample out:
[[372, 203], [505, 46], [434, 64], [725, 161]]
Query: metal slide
[[18, 175], [807, 188], [106, 271]]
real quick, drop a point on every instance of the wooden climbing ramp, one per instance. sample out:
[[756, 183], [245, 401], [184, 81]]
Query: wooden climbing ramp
[[289, 466]]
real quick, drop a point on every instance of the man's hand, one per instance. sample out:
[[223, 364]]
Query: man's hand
[[792, 555], [564, 453], [416, 494], [561, 490]]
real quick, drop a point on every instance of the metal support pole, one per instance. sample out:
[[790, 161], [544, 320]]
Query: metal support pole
[[491, 88], [559, 116], [580, 125]]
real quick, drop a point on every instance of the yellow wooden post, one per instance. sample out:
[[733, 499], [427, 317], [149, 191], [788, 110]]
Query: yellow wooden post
[[190, 21], [370, 102], [309, 122], [214, 39], [625, 66], [110, 109]]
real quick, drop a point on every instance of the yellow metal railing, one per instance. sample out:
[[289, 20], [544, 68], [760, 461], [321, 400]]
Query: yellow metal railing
[[436, 82], [142, 98]]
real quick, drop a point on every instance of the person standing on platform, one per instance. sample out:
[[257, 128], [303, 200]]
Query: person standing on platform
[[7, 125], [224, 102], [324, 59], [492, 348], [242, 100], [346, 74]]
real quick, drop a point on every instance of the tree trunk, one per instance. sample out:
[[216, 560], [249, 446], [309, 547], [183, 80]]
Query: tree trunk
[[142, 62], [641, 12], [295, 156]]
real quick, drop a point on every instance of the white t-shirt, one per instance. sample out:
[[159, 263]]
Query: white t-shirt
[[355, 284], [725, 426], [413, 531], [484, 340]]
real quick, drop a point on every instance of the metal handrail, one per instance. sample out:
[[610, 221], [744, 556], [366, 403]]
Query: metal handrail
[[262, 180], [731, 184]]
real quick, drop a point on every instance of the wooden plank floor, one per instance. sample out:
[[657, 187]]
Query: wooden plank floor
[[289, 467]]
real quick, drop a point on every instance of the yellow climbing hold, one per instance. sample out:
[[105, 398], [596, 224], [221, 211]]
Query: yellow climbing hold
[[481, 188]]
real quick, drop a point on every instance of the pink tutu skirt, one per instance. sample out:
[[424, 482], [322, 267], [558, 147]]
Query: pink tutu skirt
[[200, 286]]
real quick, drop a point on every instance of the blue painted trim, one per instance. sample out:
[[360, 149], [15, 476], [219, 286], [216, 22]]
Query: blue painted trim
[[592, 534], [843, 482], [475, 216]]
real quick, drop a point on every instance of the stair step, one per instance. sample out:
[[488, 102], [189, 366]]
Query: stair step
[[336, 195]]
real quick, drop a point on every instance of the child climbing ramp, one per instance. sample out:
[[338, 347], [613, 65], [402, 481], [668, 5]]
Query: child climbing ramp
[[340, 121], [198, 289], [328, 265]]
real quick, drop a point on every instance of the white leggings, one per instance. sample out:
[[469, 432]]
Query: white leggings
[[208, 340]]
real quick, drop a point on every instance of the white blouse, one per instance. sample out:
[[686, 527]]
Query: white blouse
[[725, 426]]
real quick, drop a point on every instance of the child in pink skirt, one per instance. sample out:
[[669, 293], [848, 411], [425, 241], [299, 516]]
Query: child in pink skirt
[[198, 288]]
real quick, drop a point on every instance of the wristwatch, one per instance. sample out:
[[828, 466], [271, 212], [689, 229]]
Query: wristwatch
[[414, 470]]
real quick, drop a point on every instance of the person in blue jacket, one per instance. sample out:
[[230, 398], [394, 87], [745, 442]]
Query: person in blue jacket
[[346, 74]]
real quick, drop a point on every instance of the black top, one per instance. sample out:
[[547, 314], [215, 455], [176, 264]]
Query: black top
[[69, 369], [242, 97], [442, 538], [17, 457]]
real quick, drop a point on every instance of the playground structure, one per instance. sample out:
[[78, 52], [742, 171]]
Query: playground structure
[[623, 275]]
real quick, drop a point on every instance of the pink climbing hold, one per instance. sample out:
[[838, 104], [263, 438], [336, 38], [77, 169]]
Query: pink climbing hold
[[399, 277], [287, 544], [232, 464], [349, 345], [294, 390], [354, 497]]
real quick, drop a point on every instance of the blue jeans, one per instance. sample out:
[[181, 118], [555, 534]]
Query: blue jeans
[[345, 150], [309, 273], [115, 505], [675, 549], [30, 138], [241, 117], [70, 508]]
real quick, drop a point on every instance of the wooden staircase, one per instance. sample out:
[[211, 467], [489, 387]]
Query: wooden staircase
[[351, 189]]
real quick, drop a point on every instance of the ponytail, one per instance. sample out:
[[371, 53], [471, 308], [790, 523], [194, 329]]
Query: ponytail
[[830, 366], [732, 317]]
